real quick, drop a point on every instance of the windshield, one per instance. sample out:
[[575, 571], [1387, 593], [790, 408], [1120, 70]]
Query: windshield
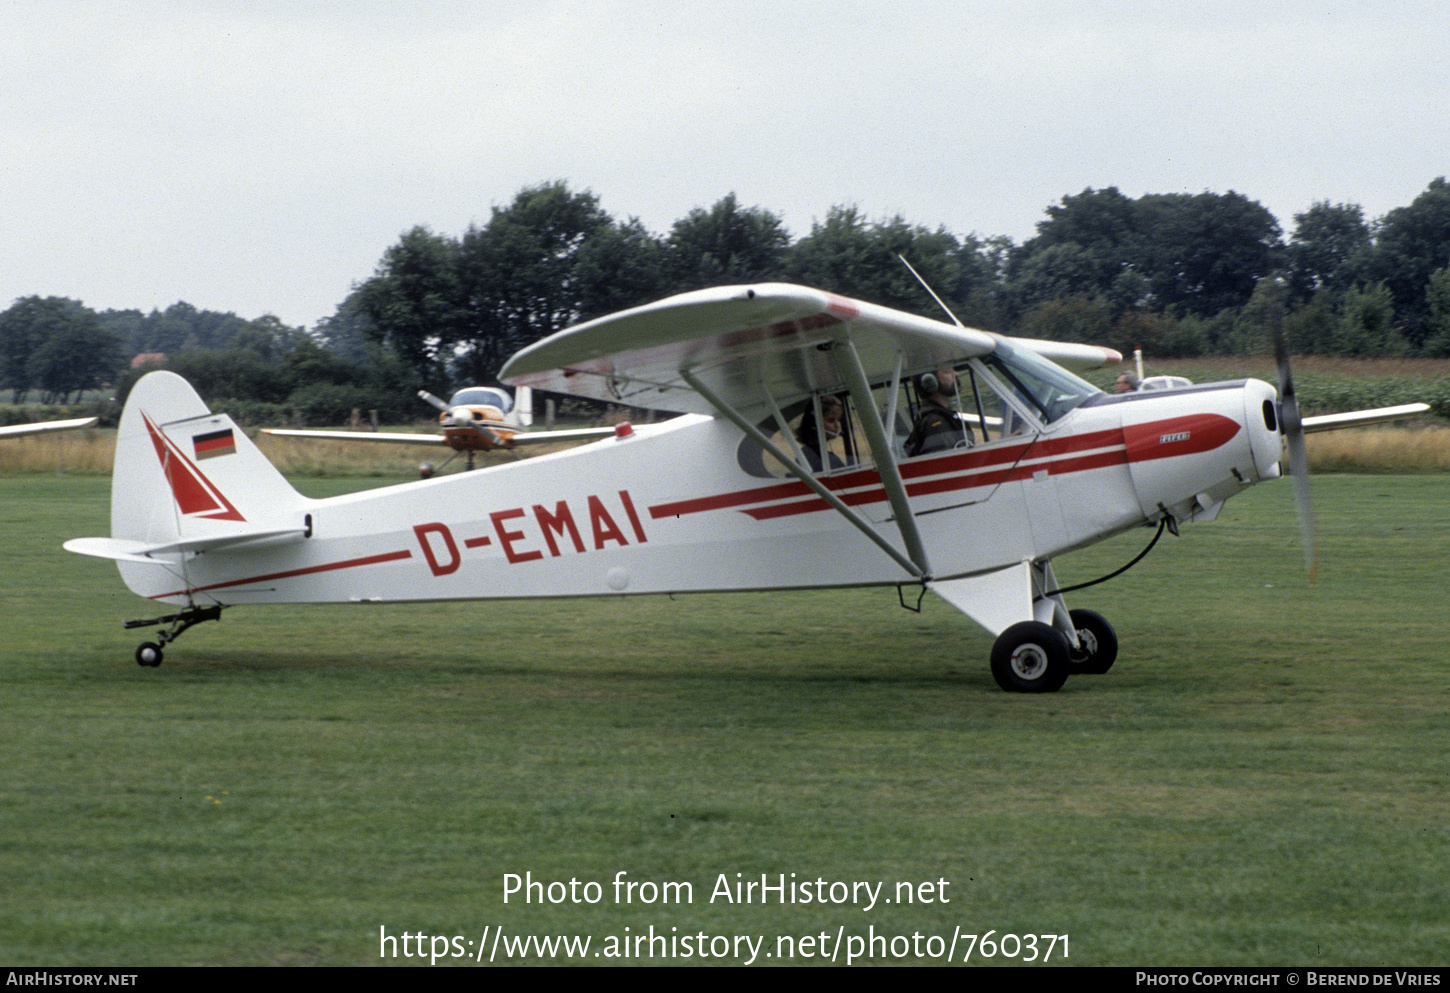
[[1047, 387], [483, 395]]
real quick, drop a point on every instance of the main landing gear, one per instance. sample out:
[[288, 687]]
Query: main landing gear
[[149, 653], [1098, 641], [1033, 657]]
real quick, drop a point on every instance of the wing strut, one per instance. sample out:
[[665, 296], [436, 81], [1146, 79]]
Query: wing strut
[[759, 437], [848, 361]]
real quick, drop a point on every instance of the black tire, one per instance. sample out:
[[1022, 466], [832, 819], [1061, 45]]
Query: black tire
[[1099, 642], [148, 653], [1031, 657]]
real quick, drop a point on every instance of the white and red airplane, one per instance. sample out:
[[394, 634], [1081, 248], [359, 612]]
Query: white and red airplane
[[752, 489], [475, 419]]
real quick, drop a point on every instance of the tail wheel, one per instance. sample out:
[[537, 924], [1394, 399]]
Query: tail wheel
[[1031, 657], [1099, 642], [148, 653]]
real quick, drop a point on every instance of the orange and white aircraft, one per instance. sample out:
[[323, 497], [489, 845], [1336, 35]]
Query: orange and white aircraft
[[753, 488], [475, 419]]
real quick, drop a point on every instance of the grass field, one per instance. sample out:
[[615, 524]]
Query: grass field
[[1264, 777]]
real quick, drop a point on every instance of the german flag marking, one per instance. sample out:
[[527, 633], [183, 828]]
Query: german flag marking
[[215, 443]]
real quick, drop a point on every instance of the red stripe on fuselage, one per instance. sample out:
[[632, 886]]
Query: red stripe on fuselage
[[290, 573], [972, 468]]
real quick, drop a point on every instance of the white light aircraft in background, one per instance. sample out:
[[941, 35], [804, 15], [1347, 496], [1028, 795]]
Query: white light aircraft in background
[[749, 490], [475, 419]]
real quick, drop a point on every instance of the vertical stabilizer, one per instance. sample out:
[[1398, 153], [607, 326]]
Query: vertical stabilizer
[[184, 473]]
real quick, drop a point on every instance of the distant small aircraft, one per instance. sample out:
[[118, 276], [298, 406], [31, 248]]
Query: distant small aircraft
[[475, 419], [738, 493], [43, 427]]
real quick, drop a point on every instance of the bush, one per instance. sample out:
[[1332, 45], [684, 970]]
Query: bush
[[332, 404]]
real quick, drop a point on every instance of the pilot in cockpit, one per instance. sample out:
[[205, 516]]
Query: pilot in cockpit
[[938, 426]]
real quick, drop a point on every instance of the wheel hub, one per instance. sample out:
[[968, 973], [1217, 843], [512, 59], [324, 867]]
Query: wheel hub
[[1029, 661]]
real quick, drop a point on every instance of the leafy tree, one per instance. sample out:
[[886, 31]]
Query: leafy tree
[[1091, 245], [1366, 327], [726, 244], [1072, 318], [23, 328], [1258, 322], [1065, 269], [846, 254], [1412, 243], [182, 326], [1198, 253], [1311, 328], [56, 344], [1437, 295], [1146, 330], [1329, 249], [75, 353], [231, 374], [348, 332], [414, 303], [1207, 251], [620, 266], [518, 274], [1103, 222], [982, 266]]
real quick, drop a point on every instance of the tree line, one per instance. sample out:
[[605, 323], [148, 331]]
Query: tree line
[[1175, 274]]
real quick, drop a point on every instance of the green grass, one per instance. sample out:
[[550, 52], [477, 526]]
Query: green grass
[[1264, 777]]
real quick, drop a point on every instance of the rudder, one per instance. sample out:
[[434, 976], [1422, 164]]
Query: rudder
[[182, 472]]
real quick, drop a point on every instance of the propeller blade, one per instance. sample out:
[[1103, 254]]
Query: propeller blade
[[430, 398], [1291, 424]]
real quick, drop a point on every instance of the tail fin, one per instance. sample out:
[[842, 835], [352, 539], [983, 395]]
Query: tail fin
[[524, 405], [184, 473], [186, 482]]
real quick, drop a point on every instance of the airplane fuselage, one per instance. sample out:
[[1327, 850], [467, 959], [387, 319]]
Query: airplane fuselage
[[672, 508]]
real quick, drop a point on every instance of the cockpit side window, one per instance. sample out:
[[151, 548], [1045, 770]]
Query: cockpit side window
[[1006, 393], [820, 433]]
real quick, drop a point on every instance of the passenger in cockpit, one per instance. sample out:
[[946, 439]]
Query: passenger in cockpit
[[833, 411]]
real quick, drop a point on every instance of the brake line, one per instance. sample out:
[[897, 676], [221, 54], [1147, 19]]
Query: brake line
[[1162, 523]]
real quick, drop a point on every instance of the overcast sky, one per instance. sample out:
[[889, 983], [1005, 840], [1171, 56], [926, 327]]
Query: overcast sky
[[259, 157]]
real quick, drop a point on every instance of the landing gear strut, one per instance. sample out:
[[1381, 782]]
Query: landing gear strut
[[149, 653]]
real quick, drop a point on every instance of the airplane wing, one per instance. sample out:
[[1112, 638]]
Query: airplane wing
[[746, 344], [16, 430], [744, 351], [1360, 418], [396, 438], [400, 438], [1070, 355]]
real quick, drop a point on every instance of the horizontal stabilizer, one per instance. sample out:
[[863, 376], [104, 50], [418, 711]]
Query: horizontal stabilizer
[[1360, 418], [124, 550]]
